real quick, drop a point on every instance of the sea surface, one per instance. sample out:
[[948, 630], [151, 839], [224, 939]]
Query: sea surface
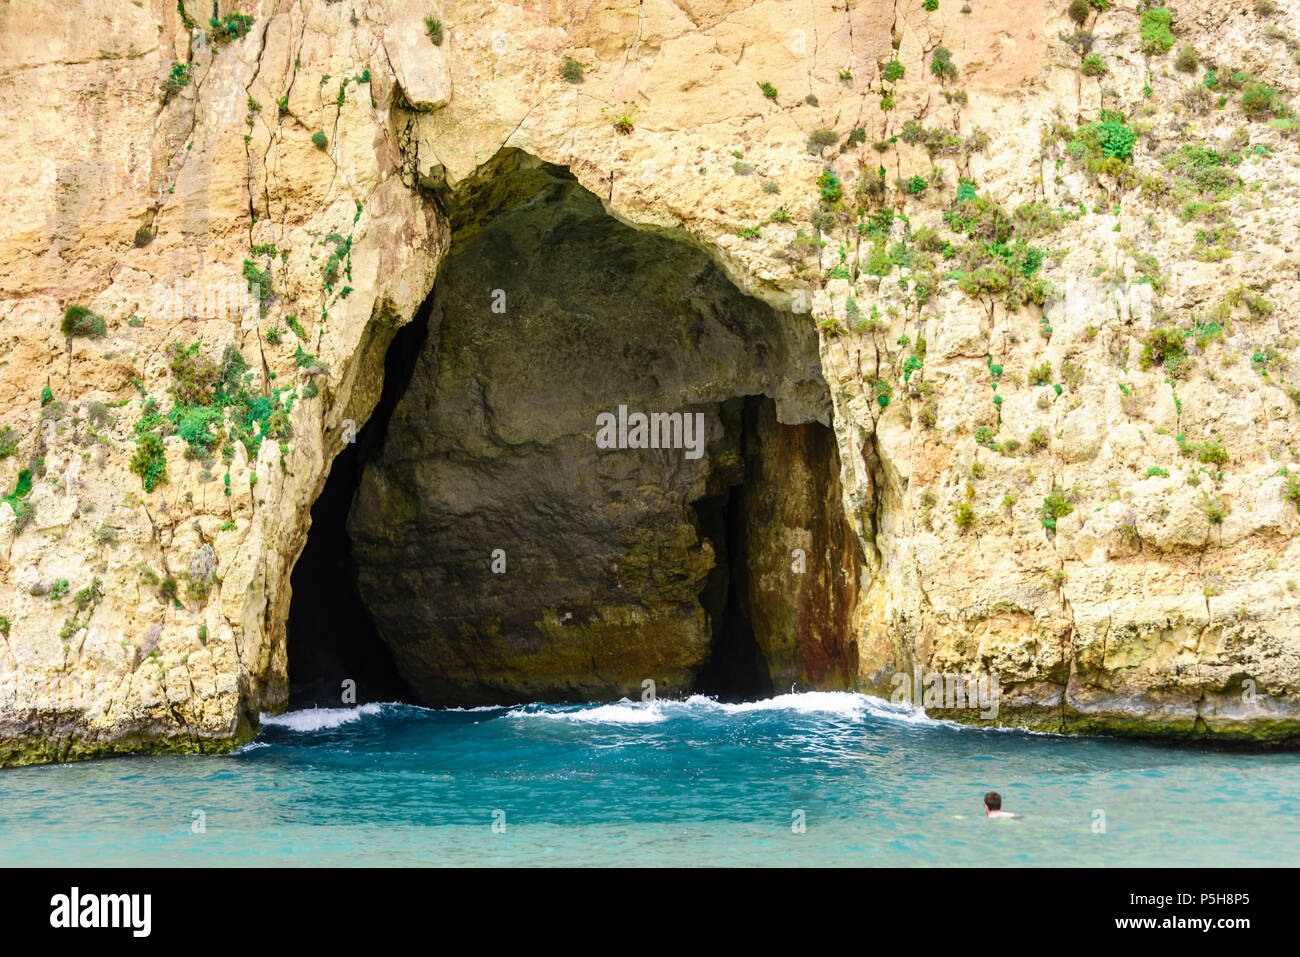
[[799, 779]]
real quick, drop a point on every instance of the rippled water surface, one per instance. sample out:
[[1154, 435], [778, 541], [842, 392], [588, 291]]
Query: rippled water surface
[[665, 783]]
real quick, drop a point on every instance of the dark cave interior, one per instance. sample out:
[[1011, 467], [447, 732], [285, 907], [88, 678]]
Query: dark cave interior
[[333, 637]]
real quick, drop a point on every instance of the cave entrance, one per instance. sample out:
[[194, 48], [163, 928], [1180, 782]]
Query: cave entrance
[[332, 638], [737, 669], [493, 551]]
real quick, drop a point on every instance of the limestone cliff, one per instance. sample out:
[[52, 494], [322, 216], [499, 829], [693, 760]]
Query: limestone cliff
[[1048, 250]]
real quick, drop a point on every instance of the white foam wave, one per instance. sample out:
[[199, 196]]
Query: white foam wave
[[836, 704], [319, 719], [481, 707], [840, 704], [623, 712]]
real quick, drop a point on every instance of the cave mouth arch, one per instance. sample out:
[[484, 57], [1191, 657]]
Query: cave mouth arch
[[478, 545]]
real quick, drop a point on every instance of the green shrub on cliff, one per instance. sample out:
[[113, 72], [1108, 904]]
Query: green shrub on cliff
[[1103, 142], [1260, 100], [1211, 452], [177, 79], [832, 190], [1154, 25], [1292, 489], [24, 511], [259, 283], [1165, 346], [1215, 508], [8, 442], [941, 64], [230, 27], [193, 374], [1206, 170], [1055, 505], [194, 424], [79, 321], [821, 139], [149, 461], [571, 70]]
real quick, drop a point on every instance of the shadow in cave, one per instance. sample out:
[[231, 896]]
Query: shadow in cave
[[736, 670], [331, 635]]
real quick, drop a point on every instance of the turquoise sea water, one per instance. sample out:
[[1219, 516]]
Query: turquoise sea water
[[666, 783]]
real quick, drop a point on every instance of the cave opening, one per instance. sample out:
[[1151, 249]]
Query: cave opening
[[332, 636], [476, 547], [736, 669]]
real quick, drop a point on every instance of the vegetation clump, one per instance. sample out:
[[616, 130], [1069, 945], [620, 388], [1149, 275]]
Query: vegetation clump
[[1055, 506], [625, 121], [232, 26], [1259, 101], [820, 139], [1093, 65], [24, 511], [79, 321], [1154, 24], [1103, 143], [941, 64], [214, 406], [1164, 346], [177, 80]]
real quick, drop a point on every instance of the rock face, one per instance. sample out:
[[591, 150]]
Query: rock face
[[1097, 218]]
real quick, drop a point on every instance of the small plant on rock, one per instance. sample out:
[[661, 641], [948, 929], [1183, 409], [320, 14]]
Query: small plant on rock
[[571, 70], [1154, 25], [625, 118], [941, 64], [79, 321], [1093, 65], [177, 79]]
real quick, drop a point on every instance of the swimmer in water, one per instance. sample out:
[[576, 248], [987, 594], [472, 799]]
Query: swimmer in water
[[993, 806]]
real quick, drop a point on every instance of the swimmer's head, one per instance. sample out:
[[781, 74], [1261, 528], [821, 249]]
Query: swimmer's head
[[993, 801]]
